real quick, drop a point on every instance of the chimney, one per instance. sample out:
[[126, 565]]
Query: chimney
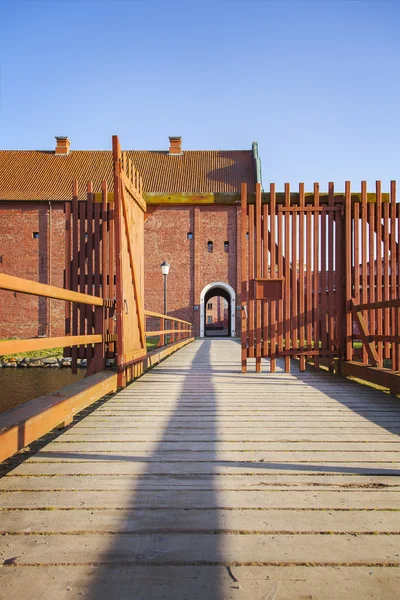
[[63, 145], [175, 145]]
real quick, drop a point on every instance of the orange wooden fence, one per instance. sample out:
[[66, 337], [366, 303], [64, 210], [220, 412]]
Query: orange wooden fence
[[321, 273]]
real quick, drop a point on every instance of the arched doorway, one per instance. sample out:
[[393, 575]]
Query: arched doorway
[[222, 290]]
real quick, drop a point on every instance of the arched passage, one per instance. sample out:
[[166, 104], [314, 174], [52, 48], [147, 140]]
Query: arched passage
[[227, 292]]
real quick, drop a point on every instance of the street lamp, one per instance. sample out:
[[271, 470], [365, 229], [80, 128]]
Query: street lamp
[[165, 270]]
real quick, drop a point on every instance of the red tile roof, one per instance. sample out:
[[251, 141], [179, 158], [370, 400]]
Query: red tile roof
[[41, 175]]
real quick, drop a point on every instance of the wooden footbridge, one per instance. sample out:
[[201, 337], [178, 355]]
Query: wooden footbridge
[[196, 480]]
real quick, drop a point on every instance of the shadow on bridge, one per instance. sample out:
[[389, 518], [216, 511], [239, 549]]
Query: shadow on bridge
[[165, 537]]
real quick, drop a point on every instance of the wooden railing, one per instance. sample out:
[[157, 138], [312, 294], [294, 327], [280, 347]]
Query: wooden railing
[[170, 329], [379, 359], [98, 339]]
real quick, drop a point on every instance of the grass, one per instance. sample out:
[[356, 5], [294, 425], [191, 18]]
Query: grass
[[151, 343], [49, 352]]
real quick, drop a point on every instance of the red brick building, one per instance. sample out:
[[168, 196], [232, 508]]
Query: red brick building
[[193, 222]]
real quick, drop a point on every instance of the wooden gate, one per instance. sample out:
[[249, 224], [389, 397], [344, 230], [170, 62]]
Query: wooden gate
[[293, 281], [104, 257]]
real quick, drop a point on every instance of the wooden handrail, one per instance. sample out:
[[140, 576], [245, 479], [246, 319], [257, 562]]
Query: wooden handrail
[[149, 313], [32, 344], [26, 286], [151, 333], [394, 303]]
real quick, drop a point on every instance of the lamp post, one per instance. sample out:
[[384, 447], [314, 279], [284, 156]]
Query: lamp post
[[165, 270]]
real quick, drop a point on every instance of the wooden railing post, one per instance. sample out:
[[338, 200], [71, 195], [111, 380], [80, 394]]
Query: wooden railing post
[[98, 362], [162, 336]]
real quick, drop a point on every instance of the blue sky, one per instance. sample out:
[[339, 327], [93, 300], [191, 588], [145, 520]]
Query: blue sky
[[316, 83]]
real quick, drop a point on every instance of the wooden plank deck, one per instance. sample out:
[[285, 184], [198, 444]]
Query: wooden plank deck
[[200, 482]]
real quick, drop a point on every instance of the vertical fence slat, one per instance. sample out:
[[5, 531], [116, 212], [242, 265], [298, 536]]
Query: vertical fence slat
[[331, 304], [82, 273], [89, 247], [323, 285], [111, 268], [244, 320], [104, 261], [301, 299], [356, 218], [251, 281], [398, 278], [339, 281], [349, 270], [393, 270], [379, 281], [293, 216], [75, 267], [280, 275], [266, 270], [372, 266], [364, 257], [67, 281], [308, 290], [258, 275], [317, 276], [97, 248], [287, 319], [386, 266], [273, 273]]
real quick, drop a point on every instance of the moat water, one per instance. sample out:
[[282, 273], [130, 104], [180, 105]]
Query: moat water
[[20, 385]]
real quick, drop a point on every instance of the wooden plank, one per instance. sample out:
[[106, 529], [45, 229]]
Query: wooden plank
[[26, 286], [97, 250], [308, 275], [316, 275], [395, 303], [258, 272], [323, 286], [119, 232], [303, 243], [294, 309], [266, 273], [364, 256], [244, 262], [393, 272], [349, 272], [379, 281], [368, 344], [68, 264], [82, 274], [287, 300], [376, 375], [251, 250], [203, 520], [175, 548], [112, 251], [150, 313], [372, 265], [332, 344], [177, 331], [89, 253], [386, 277], [74, 269], [135, 279], [22, 425], [30, 345], [274, 270], [279, 249]]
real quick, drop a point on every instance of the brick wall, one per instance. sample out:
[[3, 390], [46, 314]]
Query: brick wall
[[40, 259], [166, 238], [193, 266]]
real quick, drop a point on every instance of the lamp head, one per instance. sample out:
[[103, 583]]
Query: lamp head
[[165, 267]]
